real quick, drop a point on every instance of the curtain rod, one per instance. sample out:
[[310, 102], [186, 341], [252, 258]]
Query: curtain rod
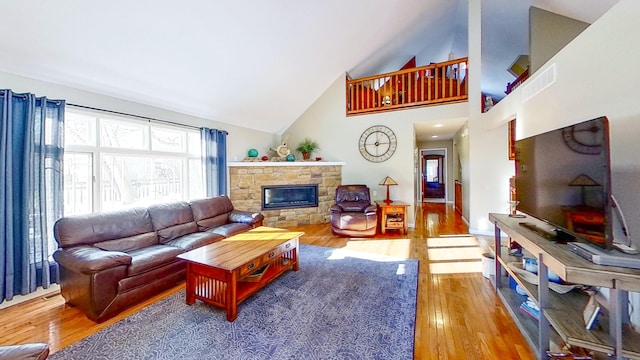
[[137, 116]]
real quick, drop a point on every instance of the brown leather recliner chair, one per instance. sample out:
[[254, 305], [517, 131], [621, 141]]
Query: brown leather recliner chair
[[353, 214]]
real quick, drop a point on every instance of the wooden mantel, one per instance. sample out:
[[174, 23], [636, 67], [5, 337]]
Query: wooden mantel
[[285, 163]]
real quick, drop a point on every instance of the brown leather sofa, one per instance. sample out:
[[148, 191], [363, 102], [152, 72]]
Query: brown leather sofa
[[111, 260], [353, 214], [32, 351]]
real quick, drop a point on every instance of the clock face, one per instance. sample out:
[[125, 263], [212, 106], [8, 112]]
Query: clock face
[[585, 138], [377, 143]]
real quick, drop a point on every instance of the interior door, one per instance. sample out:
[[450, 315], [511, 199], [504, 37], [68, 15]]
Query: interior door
[[433, 177]]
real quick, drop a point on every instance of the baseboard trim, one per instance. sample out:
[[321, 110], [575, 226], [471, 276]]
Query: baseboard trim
[[54, 289]]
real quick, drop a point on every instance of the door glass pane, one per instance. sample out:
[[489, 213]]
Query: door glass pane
[[432, 170], [124, 135], [78, 183]]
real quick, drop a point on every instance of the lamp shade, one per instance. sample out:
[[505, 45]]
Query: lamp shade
[[388, 181], [583, 180]]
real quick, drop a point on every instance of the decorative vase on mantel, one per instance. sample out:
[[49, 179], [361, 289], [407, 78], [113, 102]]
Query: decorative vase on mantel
[[306, 155]]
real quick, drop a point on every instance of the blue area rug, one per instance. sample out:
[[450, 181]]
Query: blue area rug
[[339, 305]]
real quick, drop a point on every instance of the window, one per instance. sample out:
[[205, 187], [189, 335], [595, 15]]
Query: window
[[113, 162]]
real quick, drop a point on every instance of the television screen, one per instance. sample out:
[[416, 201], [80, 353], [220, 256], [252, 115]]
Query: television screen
[[563, 178]]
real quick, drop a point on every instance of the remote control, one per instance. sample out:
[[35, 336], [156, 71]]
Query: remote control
[[626, 248]]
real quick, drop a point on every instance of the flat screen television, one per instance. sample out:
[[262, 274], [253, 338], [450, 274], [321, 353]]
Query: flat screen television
[[563, 178]]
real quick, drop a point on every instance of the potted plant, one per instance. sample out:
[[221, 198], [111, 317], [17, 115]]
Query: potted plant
[[307, 147]]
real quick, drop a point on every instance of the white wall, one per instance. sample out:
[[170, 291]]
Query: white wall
[[239, 141], [548, 34], [461, 165], [596, 75], [326, 122]]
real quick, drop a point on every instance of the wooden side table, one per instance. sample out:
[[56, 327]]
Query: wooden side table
[[392, 216]]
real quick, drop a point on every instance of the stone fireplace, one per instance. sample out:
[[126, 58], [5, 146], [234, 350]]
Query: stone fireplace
[[249, 179]]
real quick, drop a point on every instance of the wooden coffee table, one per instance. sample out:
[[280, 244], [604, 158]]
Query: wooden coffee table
[[226, 273]]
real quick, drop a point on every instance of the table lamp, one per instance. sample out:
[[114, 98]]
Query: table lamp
[[388, 181]]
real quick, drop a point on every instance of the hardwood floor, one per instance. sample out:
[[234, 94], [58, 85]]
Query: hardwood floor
[[458, 314]]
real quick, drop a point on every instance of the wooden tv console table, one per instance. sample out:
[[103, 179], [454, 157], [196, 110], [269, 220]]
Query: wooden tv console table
[[563, 312], [223, 274]]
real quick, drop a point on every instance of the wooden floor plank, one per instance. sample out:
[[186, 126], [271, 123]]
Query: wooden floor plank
[[458, 316]]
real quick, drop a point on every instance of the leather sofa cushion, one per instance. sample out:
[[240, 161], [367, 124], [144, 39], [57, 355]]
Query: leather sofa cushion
[[230, 229], [195, 240], [352, 193], [129, 243], [172, 220], [211, 212], [87, 259], [151, 257], [355, 206], [161, 274], [354, 221], [98, 227]]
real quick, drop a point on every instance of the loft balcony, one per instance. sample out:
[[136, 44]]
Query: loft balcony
[[439, 83]]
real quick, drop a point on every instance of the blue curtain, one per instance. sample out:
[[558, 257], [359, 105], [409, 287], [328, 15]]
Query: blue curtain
[[31, 150], [214, 156]]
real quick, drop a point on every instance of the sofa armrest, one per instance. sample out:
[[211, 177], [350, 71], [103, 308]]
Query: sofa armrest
[[370, 209], [245, 217], [336, 208], [88, 259]]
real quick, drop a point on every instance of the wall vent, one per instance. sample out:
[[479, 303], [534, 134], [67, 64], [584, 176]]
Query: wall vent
[[539, 83]]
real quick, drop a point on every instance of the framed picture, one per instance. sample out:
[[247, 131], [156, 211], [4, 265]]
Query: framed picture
[[512, 139]]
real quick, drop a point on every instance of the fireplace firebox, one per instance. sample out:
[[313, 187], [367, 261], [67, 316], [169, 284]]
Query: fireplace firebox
[[289, 196]]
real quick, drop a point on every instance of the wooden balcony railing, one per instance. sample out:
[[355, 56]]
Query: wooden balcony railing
[[517, 82], [426, 85]]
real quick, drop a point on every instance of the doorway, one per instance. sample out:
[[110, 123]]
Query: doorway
[[434, 175]]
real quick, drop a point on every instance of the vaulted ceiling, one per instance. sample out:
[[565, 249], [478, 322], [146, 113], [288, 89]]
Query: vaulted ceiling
[[255, 63]]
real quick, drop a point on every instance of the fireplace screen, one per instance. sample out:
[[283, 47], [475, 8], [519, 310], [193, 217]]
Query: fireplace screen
[[289, 196]]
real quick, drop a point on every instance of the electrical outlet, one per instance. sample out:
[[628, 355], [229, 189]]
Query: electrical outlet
[[375, 193]]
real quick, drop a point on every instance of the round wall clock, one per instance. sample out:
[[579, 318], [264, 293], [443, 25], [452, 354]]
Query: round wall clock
[[585, 138], [377, 143]]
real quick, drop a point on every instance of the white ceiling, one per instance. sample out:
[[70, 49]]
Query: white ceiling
[[254, 63]]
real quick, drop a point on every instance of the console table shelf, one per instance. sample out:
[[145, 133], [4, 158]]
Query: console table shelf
[[563, 312]]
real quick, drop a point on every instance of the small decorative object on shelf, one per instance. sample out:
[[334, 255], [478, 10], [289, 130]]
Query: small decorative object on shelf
[[282, 151], [514, 248], [306, 147], [591, 312], [290, 157], [512, 209], [562, 356], [252, 153], [265, 158]]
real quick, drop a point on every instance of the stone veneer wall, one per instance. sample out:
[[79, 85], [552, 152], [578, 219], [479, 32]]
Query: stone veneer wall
[[246, 190]]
